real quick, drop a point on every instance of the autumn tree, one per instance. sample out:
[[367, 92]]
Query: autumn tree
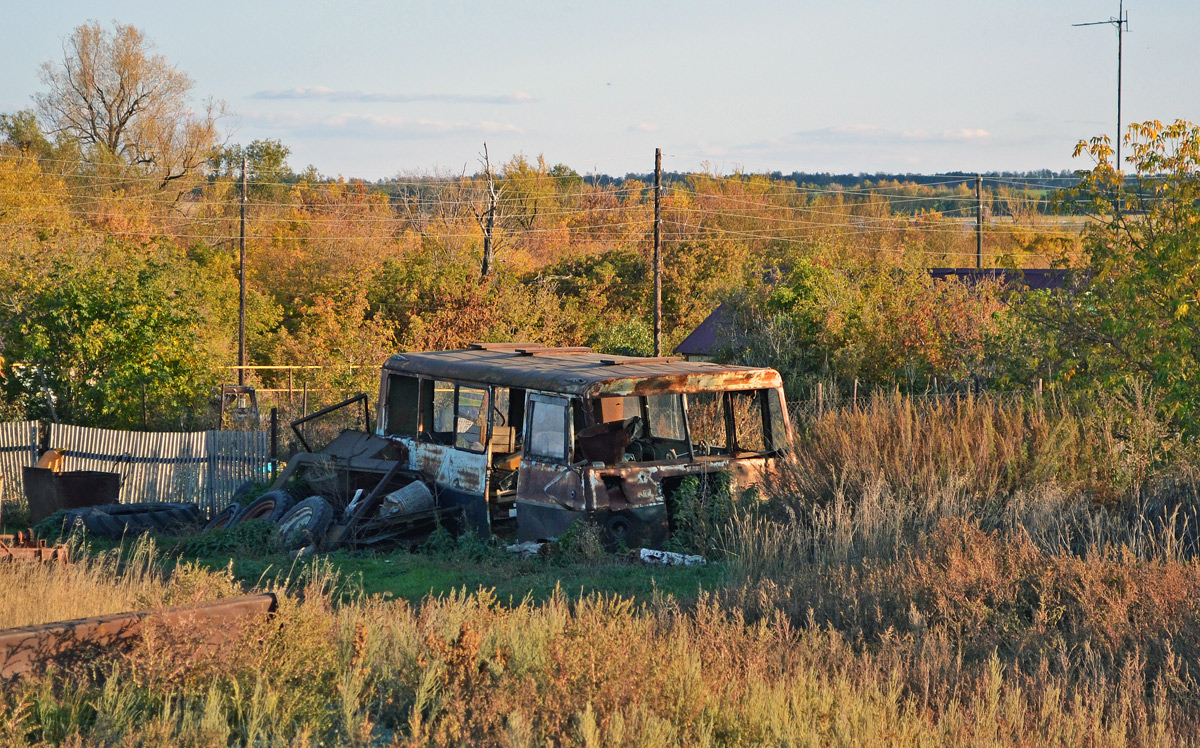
[[119, 99], [1134, 313]]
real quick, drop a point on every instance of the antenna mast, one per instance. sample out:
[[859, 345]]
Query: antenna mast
[[1122, 24]]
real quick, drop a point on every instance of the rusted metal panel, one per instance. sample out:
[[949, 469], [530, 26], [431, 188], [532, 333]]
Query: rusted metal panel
[[579, 373], [48, 491], [208, 627], [456, 468], [552, 484], [22, 547], [686, 383]]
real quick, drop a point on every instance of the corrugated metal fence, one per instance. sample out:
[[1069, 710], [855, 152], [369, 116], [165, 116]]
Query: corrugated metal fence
[[18, 449], [204, 466]]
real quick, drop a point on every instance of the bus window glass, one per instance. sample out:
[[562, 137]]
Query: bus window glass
[[779, 438], [547, 437], [470, 422], [666, 417], [443, 411]]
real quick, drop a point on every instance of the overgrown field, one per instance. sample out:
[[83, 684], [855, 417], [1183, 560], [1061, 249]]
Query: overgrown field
[[968, 572]]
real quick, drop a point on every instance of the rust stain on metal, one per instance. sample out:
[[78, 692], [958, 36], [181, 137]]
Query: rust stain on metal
[[208, 627], [22, 547]]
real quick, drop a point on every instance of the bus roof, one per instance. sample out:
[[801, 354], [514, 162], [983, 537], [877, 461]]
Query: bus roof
[[579, 371]]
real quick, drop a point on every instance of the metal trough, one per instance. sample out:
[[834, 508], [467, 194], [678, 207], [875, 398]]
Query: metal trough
[[208, 627]]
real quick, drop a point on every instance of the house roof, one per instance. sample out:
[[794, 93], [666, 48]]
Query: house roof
[[705, 339], [579, 371], [1032, 279]]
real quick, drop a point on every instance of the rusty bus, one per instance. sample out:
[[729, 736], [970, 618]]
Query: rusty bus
[[547, 436]]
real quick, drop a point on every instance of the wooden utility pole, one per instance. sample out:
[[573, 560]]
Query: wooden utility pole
[[242, 286], [657, 251], [979, 222]]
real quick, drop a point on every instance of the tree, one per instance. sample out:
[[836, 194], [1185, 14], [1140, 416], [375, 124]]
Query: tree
[[91, 344], [1134, 314], [21, 131], [117, 98], [267, 169]]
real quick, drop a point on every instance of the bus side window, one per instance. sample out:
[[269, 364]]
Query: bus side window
[[402, 401], [547, 428], [470, 418], [508, 419], [747, 410], [438, 411]]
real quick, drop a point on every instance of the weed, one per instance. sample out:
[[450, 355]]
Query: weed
[[253, 537], [581, 541], [15, 514], [699, 508]]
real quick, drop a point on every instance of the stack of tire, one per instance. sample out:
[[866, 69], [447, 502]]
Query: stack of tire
[[115, 521], [299, 523]]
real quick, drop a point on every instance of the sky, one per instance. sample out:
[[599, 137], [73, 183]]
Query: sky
[[374, 89]]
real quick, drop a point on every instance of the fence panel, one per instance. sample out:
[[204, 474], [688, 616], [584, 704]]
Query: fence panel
[[18, 449], [235, 457], [204, 467]]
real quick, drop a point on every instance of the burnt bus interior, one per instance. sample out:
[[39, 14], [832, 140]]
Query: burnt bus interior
[[607, 430]]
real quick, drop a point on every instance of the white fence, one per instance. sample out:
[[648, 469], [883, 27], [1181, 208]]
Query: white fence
[[205, 467], [18, 449]]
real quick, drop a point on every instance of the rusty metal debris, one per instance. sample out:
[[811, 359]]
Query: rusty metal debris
[[209, 628], [24, 547]]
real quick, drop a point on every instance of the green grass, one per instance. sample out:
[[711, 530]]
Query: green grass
[[413, 576], [467, 565]]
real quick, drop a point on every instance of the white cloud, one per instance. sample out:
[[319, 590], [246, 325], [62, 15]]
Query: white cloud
[[965, 134], [323, 93], [350, 124], [644, 127]]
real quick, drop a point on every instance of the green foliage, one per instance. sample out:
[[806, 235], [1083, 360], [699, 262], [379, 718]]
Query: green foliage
[[882, 324], [21, 130], [1133, 315], [86, 342], [700, 510], [254, 537], [582, 541]]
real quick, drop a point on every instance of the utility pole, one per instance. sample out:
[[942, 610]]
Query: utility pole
[[1122, 24], [979, 222], [657, 251], [242, 286]]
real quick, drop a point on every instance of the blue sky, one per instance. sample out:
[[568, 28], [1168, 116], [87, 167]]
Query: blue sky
[[378, 88]]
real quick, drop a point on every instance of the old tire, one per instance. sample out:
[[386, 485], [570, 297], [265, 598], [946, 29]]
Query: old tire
[[224, 518], [103, 525], [271, 506], [305, 523]]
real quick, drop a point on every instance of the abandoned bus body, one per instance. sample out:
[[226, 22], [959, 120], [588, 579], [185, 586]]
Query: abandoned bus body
[[552, 435]]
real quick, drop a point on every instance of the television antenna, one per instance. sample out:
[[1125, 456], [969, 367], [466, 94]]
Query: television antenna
[[1122, 23]]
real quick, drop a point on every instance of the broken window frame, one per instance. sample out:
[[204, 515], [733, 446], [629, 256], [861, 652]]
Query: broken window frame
[[389, 427], [532, 400]]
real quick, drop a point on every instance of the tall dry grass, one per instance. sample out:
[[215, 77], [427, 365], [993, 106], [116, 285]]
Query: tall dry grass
[[918, 595], [119, 580], [464, 670], [1053, 542]]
